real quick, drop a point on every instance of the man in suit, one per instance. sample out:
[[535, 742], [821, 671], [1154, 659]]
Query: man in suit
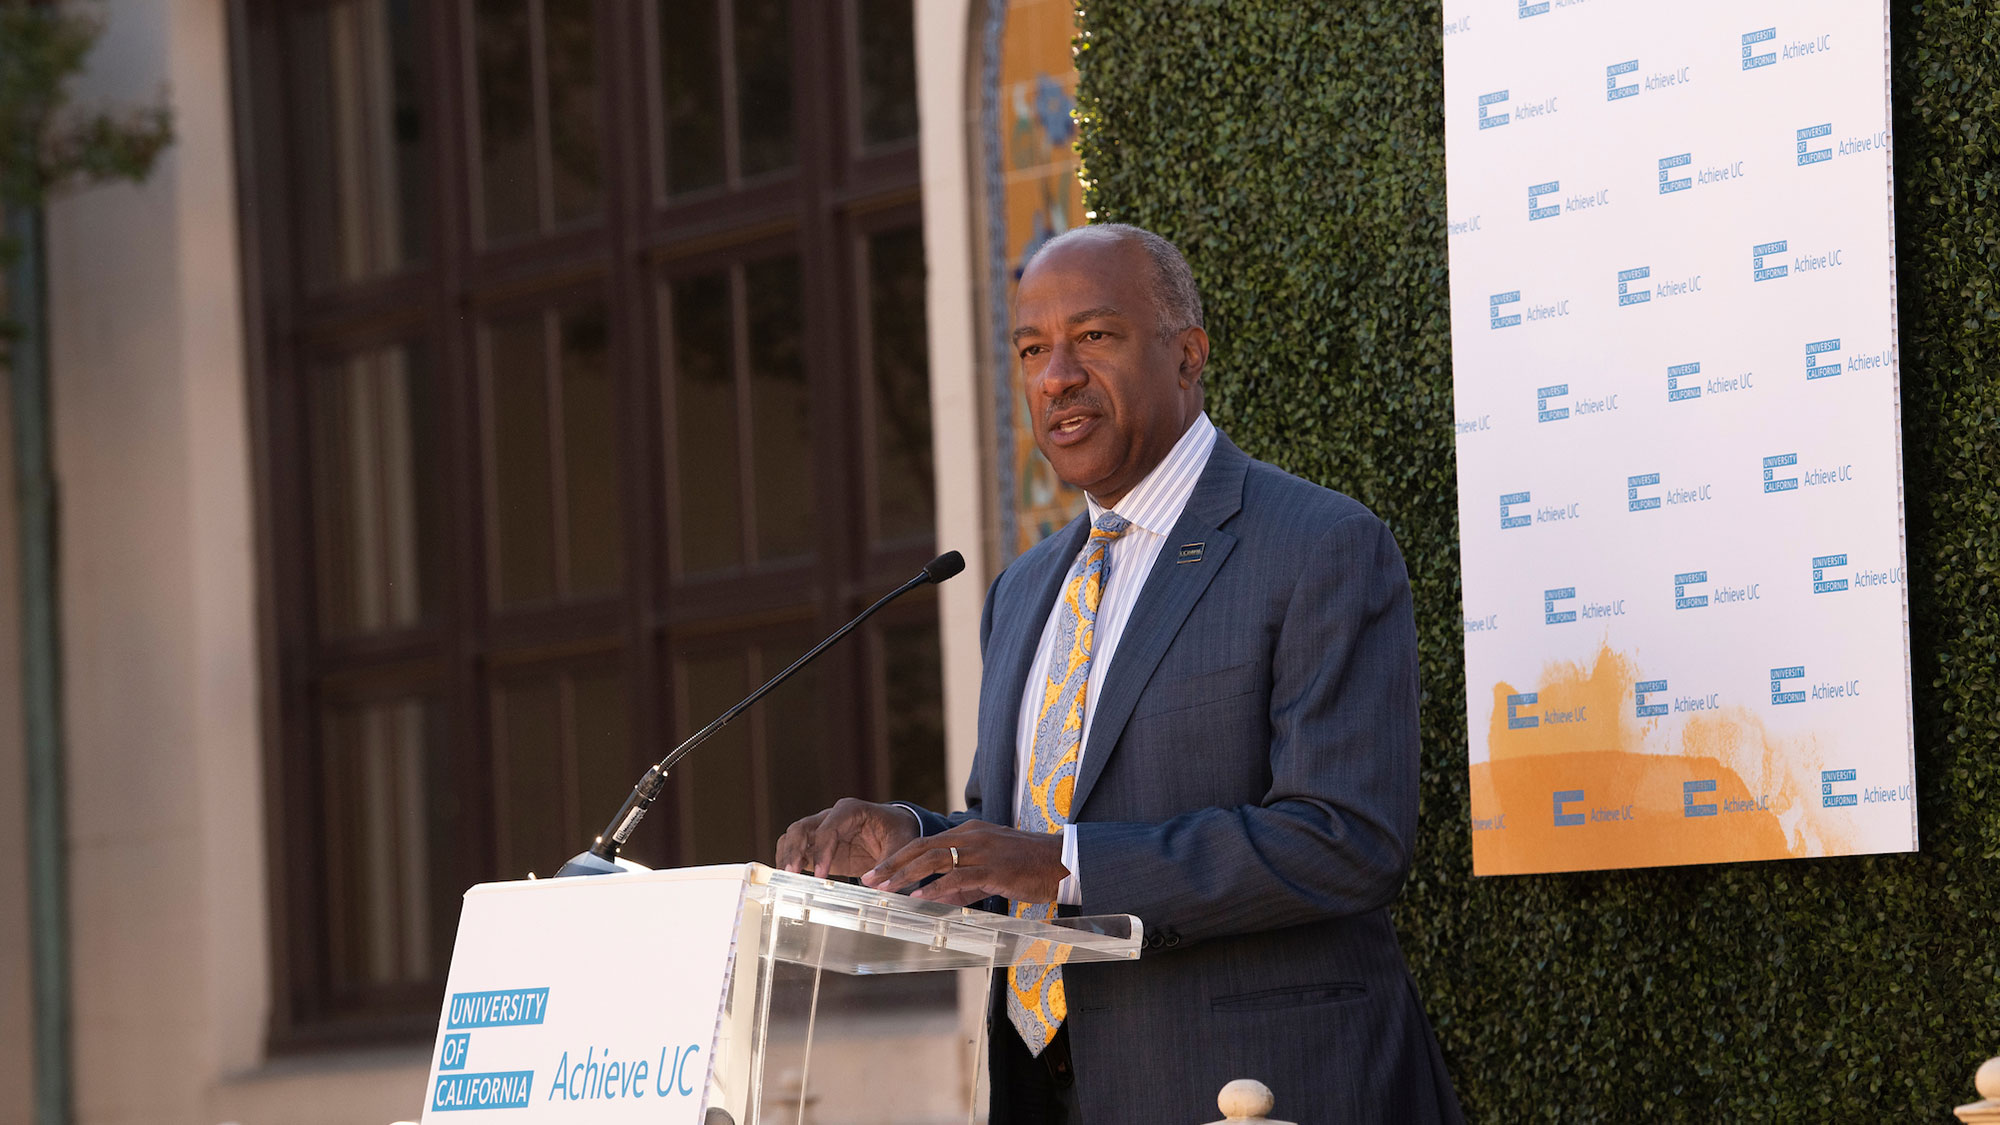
[[1198, 707]]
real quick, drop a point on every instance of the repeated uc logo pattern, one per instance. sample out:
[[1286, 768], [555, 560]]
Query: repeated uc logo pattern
[[1674, 363]]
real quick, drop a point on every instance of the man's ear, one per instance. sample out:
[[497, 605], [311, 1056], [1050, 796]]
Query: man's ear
[[1194, 355]]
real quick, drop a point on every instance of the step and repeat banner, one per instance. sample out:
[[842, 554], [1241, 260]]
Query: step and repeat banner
[[1679, 466]]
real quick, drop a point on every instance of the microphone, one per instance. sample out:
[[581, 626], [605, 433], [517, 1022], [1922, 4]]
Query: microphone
[[601, 858], [938, 569]]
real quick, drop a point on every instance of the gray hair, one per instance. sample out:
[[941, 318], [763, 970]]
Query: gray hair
[[1175, 294]]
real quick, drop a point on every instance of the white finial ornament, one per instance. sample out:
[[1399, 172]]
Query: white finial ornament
[[1245, 1102], [1987, 1082]]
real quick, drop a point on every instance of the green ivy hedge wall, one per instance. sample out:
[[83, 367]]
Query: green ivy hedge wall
[[1296, 151]]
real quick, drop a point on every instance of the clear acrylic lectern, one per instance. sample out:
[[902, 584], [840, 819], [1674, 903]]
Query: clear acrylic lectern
[[795, 928]]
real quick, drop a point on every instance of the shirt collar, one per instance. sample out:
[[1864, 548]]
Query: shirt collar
[[1157, 500]]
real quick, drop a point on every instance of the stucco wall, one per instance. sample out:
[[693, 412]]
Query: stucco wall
[[166, 864]]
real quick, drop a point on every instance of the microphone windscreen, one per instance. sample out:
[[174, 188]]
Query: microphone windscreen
[[944, 566]]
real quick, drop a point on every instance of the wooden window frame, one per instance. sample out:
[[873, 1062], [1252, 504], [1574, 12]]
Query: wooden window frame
[[466, 645]]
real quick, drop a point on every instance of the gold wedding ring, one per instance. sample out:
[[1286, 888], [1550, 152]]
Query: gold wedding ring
[[954, 859]]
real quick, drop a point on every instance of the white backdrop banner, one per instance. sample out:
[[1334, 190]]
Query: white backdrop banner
[[1679, 466]]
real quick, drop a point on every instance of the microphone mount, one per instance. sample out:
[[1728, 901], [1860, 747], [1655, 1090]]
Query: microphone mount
[[601, 858]]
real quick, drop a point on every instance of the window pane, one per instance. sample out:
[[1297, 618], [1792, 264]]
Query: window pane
[[530, 796], [719, 780], [912, 720], [507, 166], [590, 456], [601, 730], [529, 471], [710, 535], [899, 350], [574, 140], [562, 766], [382, 841], [764, 85], [361, 123], [691, 93], [887, 70], [780, 410], [374, 496], [522, 515], [804, 777]]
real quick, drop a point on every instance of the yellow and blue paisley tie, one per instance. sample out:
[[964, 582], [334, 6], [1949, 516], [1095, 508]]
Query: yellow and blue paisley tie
[[1035, 1001]]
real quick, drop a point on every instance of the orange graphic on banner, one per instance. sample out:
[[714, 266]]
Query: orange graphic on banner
[[1580, 789]]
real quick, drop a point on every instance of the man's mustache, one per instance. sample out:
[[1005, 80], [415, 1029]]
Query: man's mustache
[[1075, 400]]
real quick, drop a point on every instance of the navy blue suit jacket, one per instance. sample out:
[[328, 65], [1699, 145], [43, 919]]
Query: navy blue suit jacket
[[1249, 791]]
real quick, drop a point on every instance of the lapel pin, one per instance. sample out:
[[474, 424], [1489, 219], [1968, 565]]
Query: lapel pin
[[1190, 553]]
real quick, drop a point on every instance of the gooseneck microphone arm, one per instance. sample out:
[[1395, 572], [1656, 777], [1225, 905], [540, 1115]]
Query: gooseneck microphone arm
[[602, 856]]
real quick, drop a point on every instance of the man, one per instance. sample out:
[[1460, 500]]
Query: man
[[1198, 707]]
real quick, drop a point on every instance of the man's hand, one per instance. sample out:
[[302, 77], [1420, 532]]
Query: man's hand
[[846, 839], [1023, 866]]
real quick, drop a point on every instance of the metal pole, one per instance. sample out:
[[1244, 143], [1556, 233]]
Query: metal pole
[[41, 665]]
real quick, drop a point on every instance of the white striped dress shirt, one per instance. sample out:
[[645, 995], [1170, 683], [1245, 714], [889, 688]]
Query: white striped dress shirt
[[1154, 505]]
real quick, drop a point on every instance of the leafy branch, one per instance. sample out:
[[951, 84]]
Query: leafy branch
[[45, 144]]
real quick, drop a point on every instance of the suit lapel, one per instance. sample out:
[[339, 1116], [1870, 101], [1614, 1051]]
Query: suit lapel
[[1012, 645], [1170, 594]]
